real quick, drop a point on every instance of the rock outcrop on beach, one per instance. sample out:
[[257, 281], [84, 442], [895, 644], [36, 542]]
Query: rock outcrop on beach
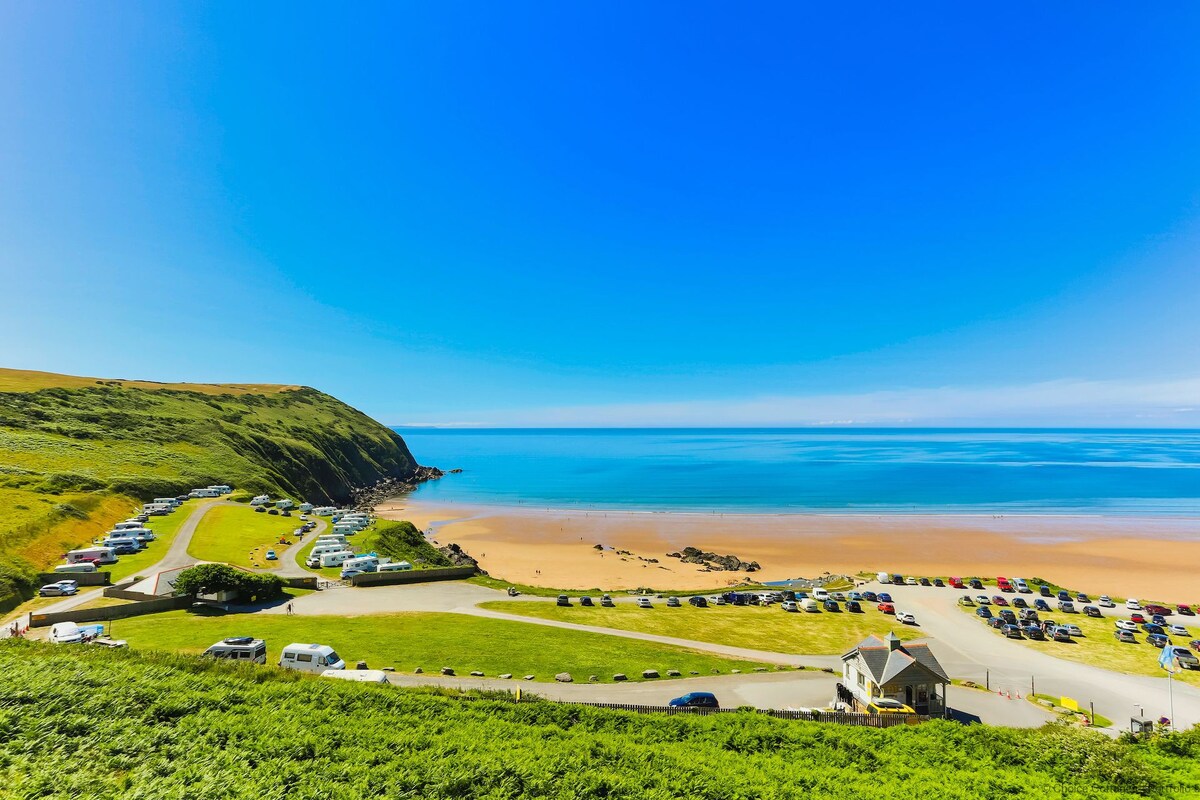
[[459, 557], [714, 562]]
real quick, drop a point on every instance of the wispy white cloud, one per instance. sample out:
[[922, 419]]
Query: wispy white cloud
[[1170, 403]]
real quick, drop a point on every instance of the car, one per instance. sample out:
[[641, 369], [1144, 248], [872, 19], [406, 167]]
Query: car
[[925, 582], [957, 583], [1126, 625], [1019, 602], [1138, 618], [259, 510], [1150, 627], [939, 583], [698, 602], [1155, 608], [1066, 606], [996, 622], [1133, 605], [1125, 636], [1063, 594], [966, 601], [673, 602], [271, 555], [273, 512], [910, 581], [897, 579], [884, 597], [1158, 640], [1041, 605], [976, 583], [606, 601], [838, 596], [1044, 590], [1033, 632], [1012, 632], [983, 612], [720, 601], [1092, 611], [886, 705], [1195, 645], [563, 600], [855, 596], [870, 597], [999, 600], [831, 605], [1104, 601], [586, 601], [1061, 634], [1186, 610], [1186, 658], [59, 589], [886, 608], [1073, 630], [1007, 615], [696, 700], [1177, 630], [853, 606], [644, 602], [1029, 615], [905, 618], [983, 600], [789, 605], [1082, 598]]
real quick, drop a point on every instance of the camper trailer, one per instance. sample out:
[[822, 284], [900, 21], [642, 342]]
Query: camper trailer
[[310, 658], [82, 566], [95, 555], [395, 566], [141, 534], [335, 559], [285, 503], [306, 507], [358, 564], [260, 500], [222, 488], [158, 509], [129, 525], [239, 648], [198, 493], [173, 502]]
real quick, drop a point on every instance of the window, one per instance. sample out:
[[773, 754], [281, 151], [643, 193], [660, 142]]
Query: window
[[862, 679], [305, 657], [332, 658]]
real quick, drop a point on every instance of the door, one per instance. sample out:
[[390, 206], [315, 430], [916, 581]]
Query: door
[[908, 696]]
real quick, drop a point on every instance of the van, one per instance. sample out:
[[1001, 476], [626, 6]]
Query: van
[[335, 559], [65, 633], [97, 555], [310, 658], [82, 566], [395, 566], [883, 577], [809, 605], [820, 594], [239, 648]]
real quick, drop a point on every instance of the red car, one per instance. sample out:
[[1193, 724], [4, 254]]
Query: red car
[[1136, 617], [1155, 609], [1000, 601], [886, 608], [957, 583], [1182, 609], [1003, 585]]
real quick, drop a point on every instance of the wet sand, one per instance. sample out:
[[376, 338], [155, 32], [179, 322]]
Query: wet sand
[[1148, 558]]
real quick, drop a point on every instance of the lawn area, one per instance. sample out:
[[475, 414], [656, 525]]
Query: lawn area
[[238, 535], [1100, 648], [739, 626], [431, 641]]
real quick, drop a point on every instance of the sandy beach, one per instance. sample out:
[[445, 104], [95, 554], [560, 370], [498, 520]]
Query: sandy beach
[[1120, 556]]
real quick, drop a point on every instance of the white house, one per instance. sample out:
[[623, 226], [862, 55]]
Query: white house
[[884, 667]]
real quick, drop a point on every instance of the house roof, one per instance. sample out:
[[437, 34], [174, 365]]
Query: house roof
[[884, 661]]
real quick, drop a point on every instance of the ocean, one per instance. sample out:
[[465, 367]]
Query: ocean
[[869, 471]]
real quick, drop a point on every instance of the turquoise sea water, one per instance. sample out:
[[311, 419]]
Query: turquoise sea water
[[1116, 472]]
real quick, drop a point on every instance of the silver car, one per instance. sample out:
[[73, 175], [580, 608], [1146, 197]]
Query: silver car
[[59, 589]]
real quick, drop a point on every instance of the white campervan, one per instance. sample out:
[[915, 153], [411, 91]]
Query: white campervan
[[261, 500], [95, 555], [222, 488], [335, 559], [128, 525], [173, 502], [239, 648], [310, 658]]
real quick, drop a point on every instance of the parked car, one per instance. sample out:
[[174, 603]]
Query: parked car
[[59, 589], [853, 606], [696, 700], [1063, 594], [976, 583], [1012, 632], [1186, 658], [983, 600], [644, 602], [1041, 605], [1186, 610], [831, 605], [789, 605], [1082, 598], [1019, 602], [1126, 625], [1073, 630], [884, 597], [271, 555], [999, 600], [870, 597], [673, 602], [957, 583], [924, 582], [1092, 611], [1007, 615], [563, 600], [1033, 632], [1061, 634], [1133, 605], [606, 601], [1177, 630], [586, 601], [1138, 618], [938, 582], [1029, 615], [260, 510], [1104, 601], [1195, 645], [273, 512], [1150, 627], [905, 618], [983, 612], [838, 596], [1155, 608], [1159, 619], [1044, 590], [886, 608], [966, 601], [886, 705], [1125, 636], [718, 600], [698, 602], [1158, 640], [855, 596], [1066, 606], [996, 622]]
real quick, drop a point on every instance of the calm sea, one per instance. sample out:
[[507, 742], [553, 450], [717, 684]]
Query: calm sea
[[1135, 472]]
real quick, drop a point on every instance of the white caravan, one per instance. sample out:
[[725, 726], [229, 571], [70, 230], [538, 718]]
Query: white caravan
[[335, 559], [95, 555]]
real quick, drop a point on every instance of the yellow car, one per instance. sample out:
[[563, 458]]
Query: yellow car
[[884, 705]]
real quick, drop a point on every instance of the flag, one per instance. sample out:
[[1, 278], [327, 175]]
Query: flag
[[1167, 660]]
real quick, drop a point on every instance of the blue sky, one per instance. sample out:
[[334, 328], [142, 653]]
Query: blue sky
[[526, 214]]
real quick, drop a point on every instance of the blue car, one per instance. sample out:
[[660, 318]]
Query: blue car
[[855, 596], [696, 700], [884, 597], [1041, 605]]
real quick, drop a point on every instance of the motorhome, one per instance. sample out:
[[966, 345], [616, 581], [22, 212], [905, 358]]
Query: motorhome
[[260, 500], [285, 503], [306, 507], [222, 488], [158, 509], [95, 555], [883, 577], [395, 566], [310, 658], [239, 648], [198, 493], [82, 566], [173, 502], [141, 534], [129, 525], [122, 546], [335, 559]]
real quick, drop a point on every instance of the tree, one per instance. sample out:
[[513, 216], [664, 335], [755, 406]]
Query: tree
[[214, 578]]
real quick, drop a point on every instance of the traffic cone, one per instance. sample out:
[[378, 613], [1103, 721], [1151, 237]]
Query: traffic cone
[[1018, 695]]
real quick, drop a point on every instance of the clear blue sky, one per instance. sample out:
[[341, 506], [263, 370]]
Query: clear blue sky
[[544, 213]]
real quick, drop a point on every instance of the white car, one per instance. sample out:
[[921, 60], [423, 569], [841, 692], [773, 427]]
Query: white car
[[59, 589], [905, 618], [1072, 629], [789, 605], [1133, 605], [910, 581], [1105, 601], [1177, 630], [1127, 625], [644, 602], [983, 600], [717, 600]]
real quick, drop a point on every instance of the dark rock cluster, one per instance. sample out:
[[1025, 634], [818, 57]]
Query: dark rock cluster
[[713, 562]]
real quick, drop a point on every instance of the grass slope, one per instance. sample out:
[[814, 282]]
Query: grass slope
[[171, 728], [431, 641], [750, 626], [237, 535]]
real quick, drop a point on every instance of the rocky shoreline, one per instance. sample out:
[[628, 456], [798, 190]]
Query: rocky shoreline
[[711, 562], [365, 498]]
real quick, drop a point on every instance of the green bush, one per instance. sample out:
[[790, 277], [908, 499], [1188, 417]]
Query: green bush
[[216, 578]]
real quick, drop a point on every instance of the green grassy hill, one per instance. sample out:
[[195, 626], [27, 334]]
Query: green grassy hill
[[80, 722], [77, 453]]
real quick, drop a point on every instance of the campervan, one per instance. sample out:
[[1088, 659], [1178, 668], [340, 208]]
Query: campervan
[[239, 648], [128, 525], [820, 594], [395, 566], [335, 559], [883, 577], [197, 493], [65, 633], [82, 566], [173, 502], [260, 500], [310, 658], [95, 555], [222, 488]]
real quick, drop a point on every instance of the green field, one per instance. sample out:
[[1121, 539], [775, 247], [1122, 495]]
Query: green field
[[1100, 648], [759, 628], [172, 728], [431, 641], [238, 535]]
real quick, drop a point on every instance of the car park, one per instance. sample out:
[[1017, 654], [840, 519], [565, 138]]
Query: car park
[[1126, 625], [696, 700], [853, 606], [1012, 632], [698, 602], [906, 618], [1092, 611], [983, 612], [59, 589], [1177, 630], [606, 601], [1125, 636], [1158, 640], [644, 602], [1104, 601], [886, 608], [586, 601]]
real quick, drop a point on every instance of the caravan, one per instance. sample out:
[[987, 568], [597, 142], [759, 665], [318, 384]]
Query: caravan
[[345, 529], [129, 525], [94, 555], [310, 658], [158, 509], [358, 565], [173, 502], [222, 488], [395, 566], [82, 566], [260, 500], [198, 493], [335, 559]]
